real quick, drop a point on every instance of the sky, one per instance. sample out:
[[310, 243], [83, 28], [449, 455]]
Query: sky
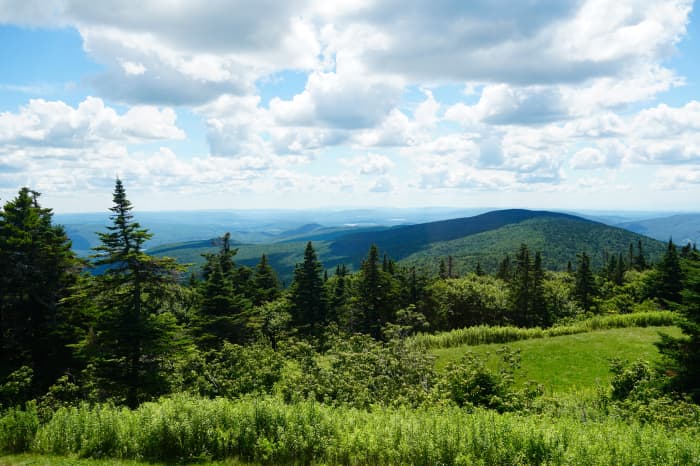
[[243, 104]]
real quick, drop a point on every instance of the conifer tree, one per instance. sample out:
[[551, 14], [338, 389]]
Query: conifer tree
[[585, 287], [265, 282], [135, 336], [538, 314], [504, 269], [223, 308], [478, 270], [37, 268], [309, 304], [521, 287], [668, 279], [640, 262], [442, 271], [683, 353], [376, 294], [619, 270]]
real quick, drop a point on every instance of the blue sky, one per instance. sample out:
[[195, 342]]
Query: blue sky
[[585, 104]]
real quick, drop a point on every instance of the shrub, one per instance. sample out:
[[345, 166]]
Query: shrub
[[18, 428], [470, 382]]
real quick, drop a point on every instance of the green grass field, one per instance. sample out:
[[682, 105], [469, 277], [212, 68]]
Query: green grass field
[[571, 362]]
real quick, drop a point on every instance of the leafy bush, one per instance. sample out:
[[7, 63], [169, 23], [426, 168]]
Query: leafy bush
[[17, 387], [470, 382], [18, 428], [232, 371], [359, 371]]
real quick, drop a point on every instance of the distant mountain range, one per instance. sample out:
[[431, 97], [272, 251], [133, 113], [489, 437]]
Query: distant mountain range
[[682, 228], [483, 238]]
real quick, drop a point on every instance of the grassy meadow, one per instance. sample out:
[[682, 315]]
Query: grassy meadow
[[571, 362]]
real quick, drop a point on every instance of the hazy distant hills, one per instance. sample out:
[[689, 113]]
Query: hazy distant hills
[[485, 238], [253, 226], [683, 228]]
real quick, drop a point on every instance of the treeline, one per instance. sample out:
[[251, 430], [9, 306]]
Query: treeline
[[140, 328]]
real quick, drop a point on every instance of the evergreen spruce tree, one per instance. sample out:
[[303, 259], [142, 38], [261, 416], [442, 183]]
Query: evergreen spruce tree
[[668, 279], [585, 287], [265, 282], [640, 262], [37, 269], [521, 287], [135, 336], [538, 313], [619, 271], [442, 270], [504, 269], [309, 304], [478, 270], [376, 294], [223, 308], [683, 353]]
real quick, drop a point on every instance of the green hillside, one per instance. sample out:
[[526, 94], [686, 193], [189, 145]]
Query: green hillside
[[559, 239], [572, 362], [485, 238]]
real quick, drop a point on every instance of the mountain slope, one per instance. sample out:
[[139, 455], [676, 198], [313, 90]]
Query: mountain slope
[[485, 238], [683, 228], [559, 239]]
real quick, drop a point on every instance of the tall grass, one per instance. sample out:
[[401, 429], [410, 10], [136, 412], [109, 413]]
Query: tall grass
[[187, 429], [483, 334]]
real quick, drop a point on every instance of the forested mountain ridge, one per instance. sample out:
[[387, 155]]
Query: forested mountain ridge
[[483, 238]]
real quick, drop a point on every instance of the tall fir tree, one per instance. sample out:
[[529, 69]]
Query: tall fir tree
[[223, 308], [668, 278], [376, 294], [585, 288], [136, 338], [265, 283], [683, 353], [526, 290], [442, 270], [37, 269], [505, 271], [309, 304], [538, 312]]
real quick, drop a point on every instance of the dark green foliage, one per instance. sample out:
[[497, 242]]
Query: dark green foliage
[[135, 336], [376, 294], [667, 283], [585, 289], [505, 271], [527, 304], [232, 371], [683, 354], [272, 321], [223, 309], [309, 303], [16, 388], [466, 301], [37, 269], [265, 282]]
